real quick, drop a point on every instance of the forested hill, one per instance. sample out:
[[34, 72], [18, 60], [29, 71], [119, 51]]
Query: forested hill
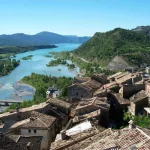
[[42, 38], [102, 47], [142, 29]]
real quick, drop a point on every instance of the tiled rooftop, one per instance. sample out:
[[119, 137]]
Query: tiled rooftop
[[81, 79], [87, 116], [124, 139], [35, 141], [39, 120], [114, 75], [123, 79], [59, 103], [62, 144], [139, 96], [8, 144], [94, 85], [32, 108], [87, 142], [100, 102]]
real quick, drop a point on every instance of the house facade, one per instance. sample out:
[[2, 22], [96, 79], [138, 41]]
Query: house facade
[[40, 125], [78, 91], [138, 102]]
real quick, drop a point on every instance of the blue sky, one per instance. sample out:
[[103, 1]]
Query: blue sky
[[71, 17]]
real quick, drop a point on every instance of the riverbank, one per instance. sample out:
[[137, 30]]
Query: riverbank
[[24, 90], [21, 49]]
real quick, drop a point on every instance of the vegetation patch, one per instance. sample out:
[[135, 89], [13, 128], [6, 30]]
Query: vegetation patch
[[41, 84], [7, 65], [48, 56], [29, 57], [57, 62], [142, 121]]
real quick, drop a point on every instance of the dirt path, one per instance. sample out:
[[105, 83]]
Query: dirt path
[[84, 60]]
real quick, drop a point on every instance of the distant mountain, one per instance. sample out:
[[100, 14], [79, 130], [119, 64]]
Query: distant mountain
[[77, 39], [142, 29], [103, 47], [41, 38]]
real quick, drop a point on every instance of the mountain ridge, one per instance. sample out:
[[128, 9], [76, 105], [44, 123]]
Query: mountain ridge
[[41, 38]]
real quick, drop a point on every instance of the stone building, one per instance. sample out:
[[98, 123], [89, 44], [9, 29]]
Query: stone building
[[61, 105], [128, 138], [40, 125], [52, 92], [83, 90], [11, 118], [117, 105], [102, 78], [138, 102], [126, 78], [130, 89], [147, 87], [91, 109]]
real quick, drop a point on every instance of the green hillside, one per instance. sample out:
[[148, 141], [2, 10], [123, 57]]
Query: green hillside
[[102, 47], [142, 29]]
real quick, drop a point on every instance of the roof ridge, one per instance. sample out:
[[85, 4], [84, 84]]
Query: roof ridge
[[42, 122], [143, 133]]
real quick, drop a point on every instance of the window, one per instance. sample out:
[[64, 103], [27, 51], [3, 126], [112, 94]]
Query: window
[[29, 131], [34, 131]]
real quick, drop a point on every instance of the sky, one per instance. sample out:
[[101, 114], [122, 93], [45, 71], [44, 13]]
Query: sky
[[72, 17]]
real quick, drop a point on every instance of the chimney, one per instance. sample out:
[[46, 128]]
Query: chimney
[[32, 118], [28, 145], [63, 135], [17, 109], [131, 124]]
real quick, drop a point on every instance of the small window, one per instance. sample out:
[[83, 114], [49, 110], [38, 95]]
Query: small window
[[34, 131], [29, 131]]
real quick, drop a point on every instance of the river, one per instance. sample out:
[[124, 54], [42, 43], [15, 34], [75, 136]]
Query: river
[[10, 89]]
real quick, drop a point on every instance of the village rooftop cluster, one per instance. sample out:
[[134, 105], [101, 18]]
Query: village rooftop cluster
[[86, 120]]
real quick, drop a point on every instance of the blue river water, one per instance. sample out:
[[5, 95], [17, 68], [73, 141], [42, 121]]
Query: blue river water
[[10, 89]]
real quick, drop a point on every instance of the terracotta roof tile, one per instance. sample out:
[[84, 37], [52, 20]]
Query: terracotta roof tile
[[39, 120], [8, 144], [124, 139], [59, 103]]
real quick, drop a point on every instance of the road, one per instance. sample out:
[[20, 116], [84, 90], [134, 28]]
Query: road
[[84, 60]]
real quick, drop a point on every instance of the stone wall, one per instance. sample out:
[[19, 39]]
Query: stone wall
[[147, 88], [85, 110], [77, 92], [129, 90], [138, 106], [44, 133]]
